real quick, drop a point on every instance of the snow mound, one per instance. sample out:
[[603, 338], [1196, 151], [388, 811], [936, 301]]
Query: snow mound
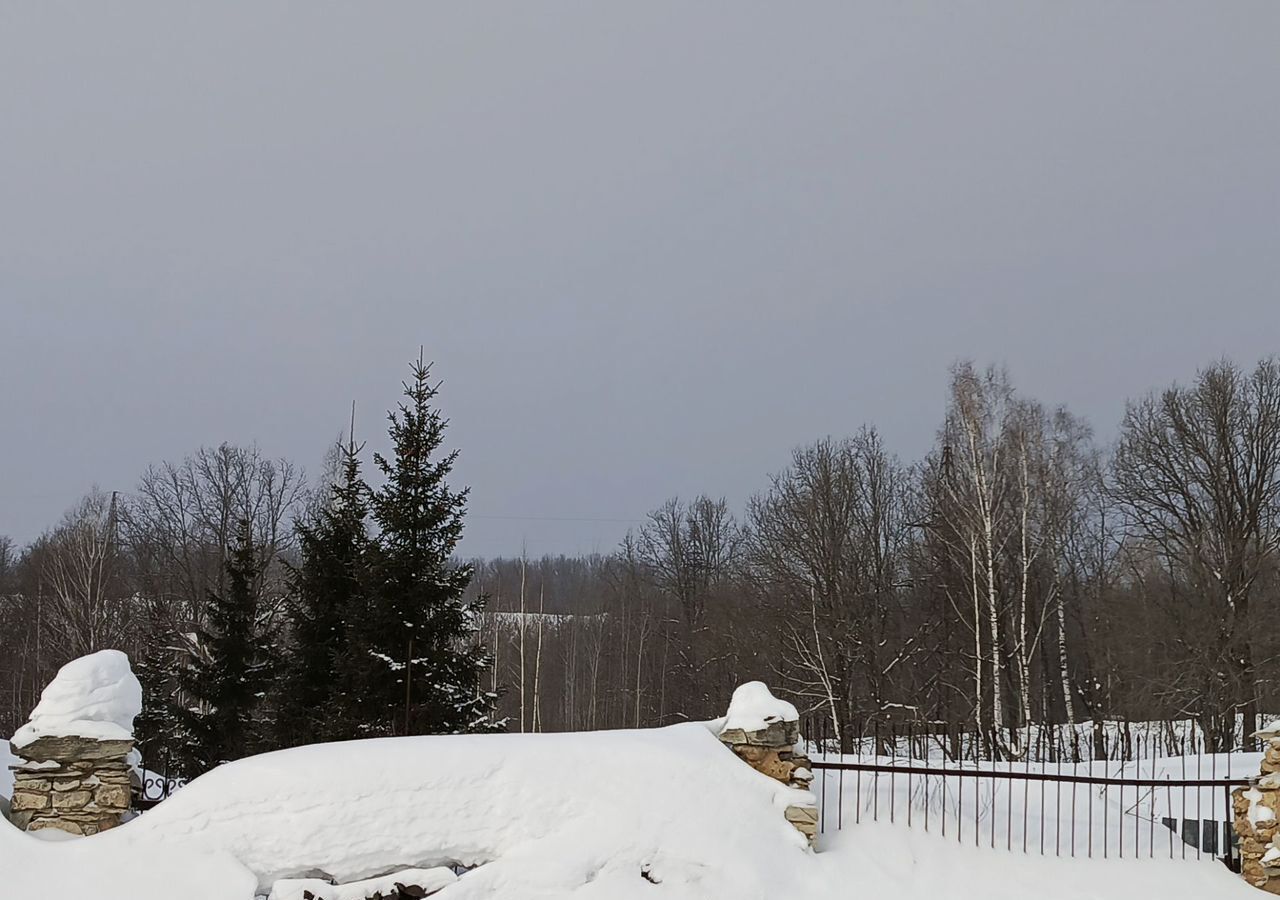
[[430, 880], [95, 696], [105, 870], [754, 708], [532, 812], [663, 814]]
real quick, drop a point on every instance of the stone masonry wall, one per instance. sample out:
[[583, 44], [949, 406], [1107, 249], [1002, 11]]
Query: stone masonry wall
[[772, 752], [74, 784], [1257, 817]]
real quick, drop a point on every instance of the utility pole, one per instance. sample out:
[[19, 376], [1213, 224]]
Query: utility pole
[[111, 518], [351, 435]]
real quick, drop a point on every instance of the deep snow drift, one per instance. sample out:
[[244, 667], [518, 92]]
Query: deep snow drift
[[662, 813], [608, 813], [95, 696], [533, 811], [31, 867]]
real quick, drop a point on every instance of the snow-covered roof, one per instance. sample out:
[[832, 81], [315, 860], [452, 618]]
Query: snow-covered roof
[[94, 696]]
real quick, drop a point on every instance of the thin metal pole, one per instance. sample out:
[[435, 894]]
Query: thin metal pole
[[857, 809], [1140, 759], [925, 748], [946, 758], [840, 785], [875, 776], [1057, 803], [1182, 822], [1151, 830], [1042, 814], [1106, 814], [893, 762], [1199, 811], [1228, 832], [1075, 771], [1218, 832], [977, 795], [995, 787], [1008, 813], [1228, 775], [911, 759], [1026, 803], [960, 803], [822, 819], [1137, 808], [1089, 794]]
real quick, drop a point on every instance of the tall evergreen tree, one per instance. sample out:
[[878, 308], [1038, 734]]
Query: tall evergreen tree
[[221, 691], [326, 595], [414, 656], [160, 728]]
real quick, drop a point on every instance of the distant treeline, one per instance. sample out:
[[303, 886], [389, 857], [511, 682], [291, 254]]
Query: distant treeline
[[1019, 573]]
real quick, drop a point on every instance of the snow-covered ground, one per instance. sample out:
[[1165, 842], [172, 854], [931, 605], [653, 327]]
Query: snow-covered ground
[[883, 860], [632, 814]]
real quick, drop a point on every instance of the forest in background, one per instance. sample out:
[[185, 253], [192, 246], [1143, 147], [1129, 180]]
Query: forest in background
[[1019, 573]]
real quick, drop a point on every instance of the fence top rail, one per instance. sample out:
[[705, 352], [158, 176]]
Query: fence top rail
[[1031, 776]]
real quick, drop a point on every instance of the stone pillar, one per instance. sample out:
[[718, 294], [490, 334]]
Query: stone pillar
[[74, 752], [74, 784], [1257, 817], [765, 738]]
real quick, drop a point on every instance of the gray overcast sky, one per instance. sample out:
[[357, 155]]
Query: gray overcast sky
[[650, 246]]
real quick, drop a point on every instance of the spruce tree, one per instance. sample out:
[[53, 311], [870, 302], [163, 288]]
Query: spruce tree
[[326, 595], [161, 727], [220, 692], [415, 657]]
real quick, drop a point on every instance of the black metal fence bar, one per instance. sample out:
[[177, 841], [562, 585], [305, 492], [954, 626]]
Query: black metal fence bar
[[1032, 776], [1136, 798], [1115, 740]]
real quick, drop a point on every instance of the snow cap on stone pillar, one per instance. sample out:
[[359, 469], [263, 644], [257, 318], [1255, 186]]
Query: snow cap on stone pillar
[[757, 717], [95, 697]]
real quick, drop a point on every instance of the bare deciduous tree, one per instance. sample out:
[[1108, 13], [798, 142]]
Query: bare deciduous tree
[[690, 551], [1197, 472], [827, 553], [86, 607], [182, 518]]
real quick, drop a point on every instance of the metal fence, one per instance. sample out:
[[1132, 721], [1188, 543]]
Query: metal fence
[[1046, 742], [1144, 803], [156, 787]]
